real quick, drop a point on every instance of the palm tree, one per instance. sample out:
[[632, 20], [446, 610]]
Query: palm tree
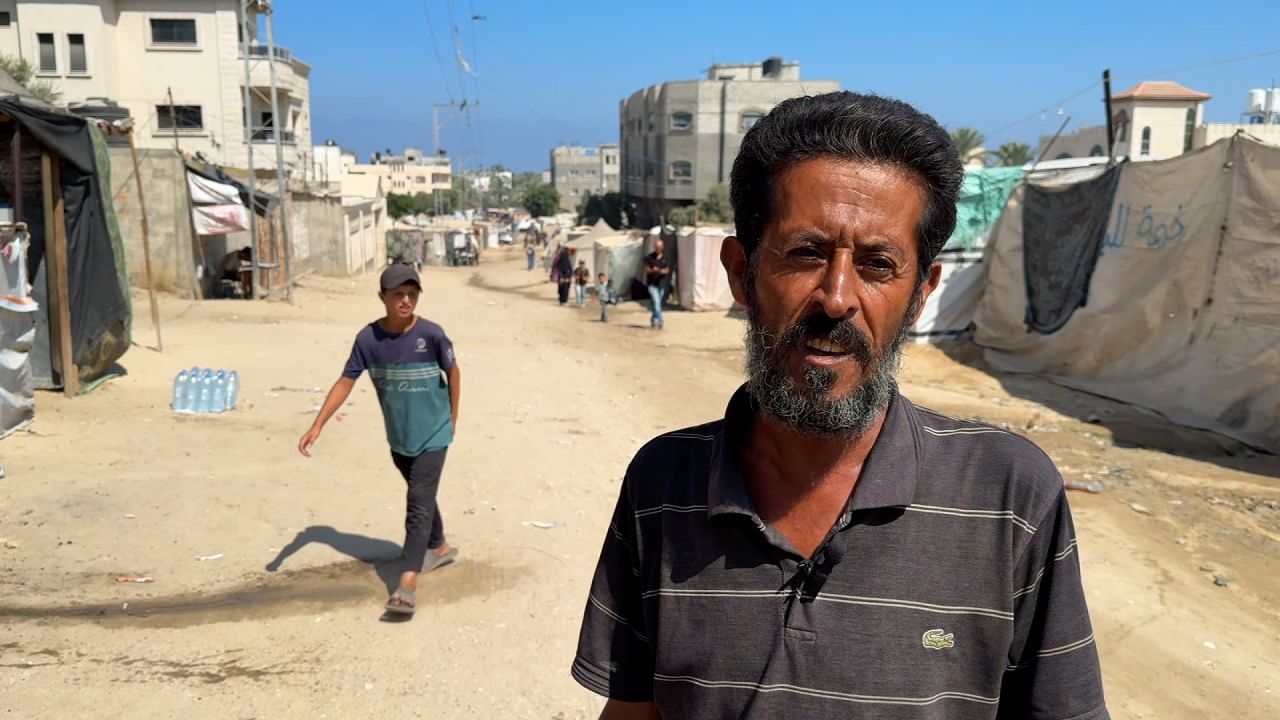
[[1013, 154], [968, 144]]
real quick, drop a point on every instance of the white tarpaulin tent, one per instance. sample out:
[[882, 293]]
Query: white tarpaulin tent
[[215, 207], [1183, 308], [618, 257], [701, 281], [583, 246]]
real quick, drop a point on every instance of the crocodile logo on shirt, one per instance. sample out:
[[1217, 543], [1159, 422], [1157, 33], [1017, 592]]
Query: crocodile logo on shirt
[[938, 639]]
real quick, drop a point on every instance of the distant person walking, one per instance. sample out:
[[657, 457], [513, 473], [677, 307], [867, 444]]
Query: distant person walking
[[562, 273], [530, 254], [581, 278], [411, 363], [657, 273]]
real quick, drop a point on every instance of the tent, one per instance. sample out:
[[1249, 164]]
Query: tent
[[583, 246], [619, 258], [1182, 311], [701, 281], [948, 313], [76, 259]]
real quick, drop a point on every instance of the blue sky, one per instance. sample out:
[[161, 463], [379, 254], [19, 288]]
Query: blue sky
[[553, 72]]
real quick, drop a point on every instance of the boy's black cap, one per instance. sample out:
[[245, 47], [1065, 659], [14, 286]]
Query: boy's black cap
[[399, 274]]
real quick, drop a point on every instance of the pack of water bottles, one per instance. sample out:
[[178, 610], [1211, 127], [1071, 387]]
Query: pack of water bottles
[[205, 391]]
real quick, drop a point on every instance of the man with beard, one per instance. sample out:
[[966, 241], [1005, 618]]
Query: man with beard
[[829, 549]]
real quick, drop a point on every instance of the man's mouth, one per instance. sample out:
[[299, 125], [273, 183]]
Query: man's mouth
[[822, 346]]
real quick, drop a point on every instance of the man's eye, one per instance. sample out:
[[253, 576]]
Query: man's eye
[[880, 265], [807, 252]]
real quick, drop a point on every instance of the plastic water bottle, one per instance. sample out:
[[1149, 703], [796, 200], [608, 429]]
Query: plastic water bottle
[[219, 392], [180, 390], [205, 401], [233, 389]]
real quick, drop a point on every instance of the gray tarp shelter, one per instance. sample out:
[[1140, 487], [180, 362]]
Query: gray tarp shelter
[[59, 160]]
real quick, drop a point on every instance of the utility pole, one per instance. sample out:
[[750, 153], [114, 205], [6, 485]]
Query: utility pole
[[281, 188], [248, 141], [1111, 126]]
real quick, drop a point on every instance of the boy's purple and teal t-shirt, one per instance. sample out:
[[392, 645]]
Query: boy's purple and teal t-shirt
[[408, 372]]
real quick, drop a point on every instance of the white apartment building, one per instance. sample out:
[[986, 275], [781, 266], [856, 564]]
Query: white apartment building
[[330, 163], [137, 52], [408, 173]]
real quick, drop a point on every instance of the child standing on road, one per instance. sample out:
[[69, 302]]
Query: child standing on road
[[605, 296], [411, 363]]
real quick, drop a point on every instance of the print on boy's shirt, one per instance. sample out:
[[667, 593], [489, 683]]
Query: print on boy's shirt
[[409, 375]]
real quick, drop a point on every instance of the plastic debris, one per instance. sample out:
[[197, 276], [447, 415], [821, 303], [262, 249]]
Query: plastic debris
[[541, 524], [1221, 581], [210, 557], [1093, 487], [1139, 508], [135, 579]]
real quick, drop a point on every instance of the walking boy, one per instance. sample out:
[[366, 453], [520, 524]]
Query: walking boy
[[411, 363]]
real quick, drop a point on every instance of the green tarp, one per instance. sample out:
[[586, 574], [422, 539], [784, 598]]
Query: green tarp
[[982, 198]]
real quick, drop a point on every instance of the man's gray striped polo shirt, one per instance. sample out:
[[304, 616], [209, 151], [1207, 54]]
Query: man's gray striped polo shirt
[[950, 587]]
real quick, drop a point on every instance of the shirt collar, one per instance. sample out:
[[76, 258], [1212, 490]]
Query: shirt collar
[[888, 476]]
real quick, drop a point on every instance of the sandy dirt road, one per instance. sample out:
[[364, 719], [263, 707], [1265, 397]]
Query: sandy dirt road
[[286, 622]]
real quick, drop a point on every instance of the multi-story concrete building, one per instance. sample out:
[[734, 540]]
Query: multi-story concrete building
[[679, 138], [137, 52], [1154, 120], [408, 173], [577, 172], [330, 163]]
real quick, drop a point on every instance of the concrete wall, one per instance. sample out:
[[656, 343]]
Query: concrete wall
[[337, 239], [173, 254]]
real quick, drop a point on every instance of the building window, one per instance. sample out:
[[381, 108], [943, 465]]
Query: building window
[[1188, 133], [179, 117], [1096, 151], [681, 121], [1146, 141], [749, 120], [681, 170], [77, 60], [5, 20], [48, 60], [168, 31]]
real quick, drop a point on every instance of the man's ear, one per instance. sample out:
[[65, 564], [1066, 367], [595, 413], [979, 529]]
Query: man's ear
[[927, 287], [734, 258]]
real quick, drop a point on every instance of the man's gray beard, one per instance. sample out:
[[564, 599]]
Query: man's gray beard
[[809, 409]]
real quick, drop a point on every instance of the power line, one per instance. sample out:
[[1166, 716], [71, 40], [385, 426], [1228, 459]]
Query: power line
[[435, 47]]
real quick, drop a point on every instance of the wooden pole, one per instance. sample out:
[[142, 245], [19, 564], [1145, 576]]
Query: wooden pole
[[55, 253], [146, 242]]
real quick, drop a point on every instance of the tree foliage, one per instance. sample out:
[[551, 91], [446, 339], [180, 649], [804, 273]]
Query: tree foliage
[[1013, 154], [22, 71], [399, 205], [616, 209], [714, 208], [969, 144], [541, 200]]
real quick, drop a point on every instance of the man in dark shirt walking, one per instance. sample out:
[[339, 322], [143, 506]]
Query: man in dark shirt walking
[[830, 549], [419, 385], [657, 271]]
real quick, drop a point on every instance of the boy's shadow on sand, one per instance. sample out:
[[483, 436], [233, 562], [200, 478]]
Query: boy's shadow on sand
[[385, 556]]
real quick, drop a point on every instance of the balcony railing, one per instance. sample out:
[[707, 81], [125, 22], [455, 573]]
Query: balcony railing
[[256, 50], [268, 134]]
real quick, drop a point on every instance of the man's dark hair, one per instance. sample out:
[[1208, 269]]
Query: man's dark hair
[[847, 126]]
